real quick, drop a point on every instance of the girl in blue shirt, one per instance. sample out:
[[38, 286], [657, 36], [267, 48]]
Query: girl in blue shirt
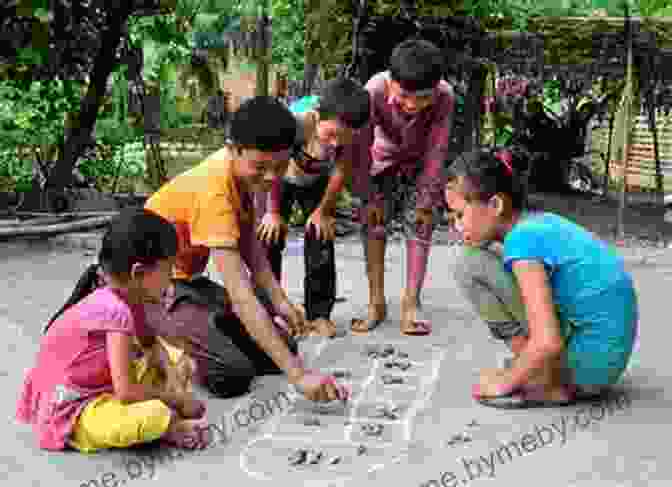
[[560, 298]]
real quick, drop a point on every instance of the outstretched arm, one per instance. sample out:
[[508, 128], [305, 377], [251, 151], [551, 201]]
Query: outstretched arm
[[254, 317]]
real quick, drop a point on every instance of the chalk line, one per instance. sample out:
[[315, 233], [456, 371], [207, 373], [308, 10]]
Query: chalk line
[[426, 389]]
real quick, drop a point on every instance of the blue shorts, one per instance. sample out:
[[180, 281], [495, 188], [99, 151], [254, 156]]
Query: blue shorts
[[598, 352]]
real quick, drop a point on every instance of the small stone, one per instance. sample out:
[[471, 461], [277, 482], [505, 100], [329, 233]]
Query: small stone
[[402, 354], [372, 429], [361, 450], [298, 457], [392, 379], [335, 460], [314, 457], [404, 365], [473, 423]]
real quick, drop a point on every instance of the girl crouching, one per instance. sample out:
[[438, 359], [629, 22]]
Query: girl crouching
[[560, 298]]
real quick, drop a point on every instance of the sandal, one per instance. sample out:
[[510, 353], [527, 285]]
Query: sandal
[[379, 311], [416, 327], [525, 398]]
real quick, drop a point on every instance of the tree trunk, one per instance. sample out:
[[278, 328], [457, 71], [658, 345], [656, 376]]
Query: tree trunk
[[627, 96], [660, 189], [104, 63], [262, 47], [607, 160]]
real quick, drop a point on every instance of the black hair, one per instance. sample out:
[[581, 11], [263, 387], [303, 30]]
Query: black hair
[[416, 64], [136, 235], [263, 123], [487, 174], [346, 100]]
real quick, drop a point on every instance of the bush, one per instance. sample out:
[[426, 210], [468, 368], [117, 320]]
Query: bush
[[16, 173], [117, 168]]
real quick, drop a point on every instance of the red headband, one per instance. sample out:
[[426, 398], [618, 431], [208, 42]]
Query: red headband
[[505, 157]]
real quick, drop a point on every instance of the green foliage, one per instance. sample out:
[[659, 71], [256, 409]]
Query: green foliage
[[289, 36], [288, 27], [31, 120], [16, 171], [119, 167], [32, 113]]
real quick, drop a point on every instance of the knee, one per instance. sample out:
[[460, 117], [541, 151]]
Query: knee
[[228, 380], [229, 385], [463, 266], [151, 421], [469, 263]]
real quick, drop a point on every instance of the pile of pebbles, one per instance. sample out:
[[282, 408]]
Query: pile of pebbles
[[310, 456]]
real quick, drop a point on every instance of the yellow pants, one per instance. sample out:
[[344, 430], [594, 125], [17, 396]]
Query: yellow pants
[[106, 422]]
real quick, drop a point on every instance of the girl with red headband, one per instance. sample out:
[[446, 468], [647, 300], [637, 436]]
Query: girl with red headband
[[556, 295]]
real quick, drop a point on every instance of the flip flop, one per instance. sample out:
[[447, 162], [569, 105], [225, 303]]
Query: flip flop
[[523, 399], [420, 328]]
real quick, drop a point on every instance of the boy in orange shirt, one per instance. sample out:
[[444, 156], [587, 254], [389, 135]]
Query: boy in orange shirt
[[230, 330]]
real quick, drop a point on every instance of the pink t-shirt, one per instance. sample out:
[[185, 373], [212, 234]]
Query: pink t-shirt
[[72, 365], [393, 138]]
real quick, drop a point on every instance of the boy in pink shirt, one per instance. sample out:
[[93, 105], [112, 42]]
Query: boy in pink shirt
[[396, 172]]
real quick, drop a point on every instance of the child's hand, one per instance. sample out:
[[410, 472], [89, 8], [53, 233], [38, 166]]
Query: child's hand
[[423, 216], [318, 387], [271, 228], [323, 225], [296, 321]]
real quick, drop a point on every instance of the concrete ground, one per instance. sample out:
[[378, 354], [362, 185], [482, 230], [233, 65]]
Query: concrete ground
[[617, 443]]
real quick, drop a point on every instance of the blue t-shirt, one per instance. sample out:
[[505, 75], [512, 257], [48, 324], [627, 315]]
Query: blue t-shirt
[[588, 279]]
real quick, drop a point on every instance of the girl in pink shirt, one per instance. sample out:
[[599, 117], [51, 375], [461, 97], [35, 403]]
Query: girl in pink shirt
[[92, 387]]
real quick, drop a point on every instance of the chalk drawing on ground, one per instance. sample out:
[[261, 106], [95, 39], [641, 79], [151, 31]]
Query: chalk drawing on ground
[[336, 443]]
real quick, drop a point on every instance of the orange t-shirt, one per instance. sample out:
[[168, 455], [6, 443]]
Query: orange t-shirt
[[205, 205]]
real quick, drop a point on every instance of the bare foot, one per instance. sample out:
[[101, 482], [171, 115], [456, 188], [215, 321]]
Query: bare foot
[[410, 324], [377, 314], [323, 327], [190, 434]]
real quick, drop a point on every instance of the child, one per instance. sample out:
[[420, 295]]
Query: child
[[91, 389], [398, 163], [230, 330], [560, 298], [317, 171]]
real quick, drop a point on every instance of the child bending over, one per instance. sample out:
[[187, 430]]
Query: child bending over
[[320, 165], [101, 380], [396, 168], [560, 298]]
